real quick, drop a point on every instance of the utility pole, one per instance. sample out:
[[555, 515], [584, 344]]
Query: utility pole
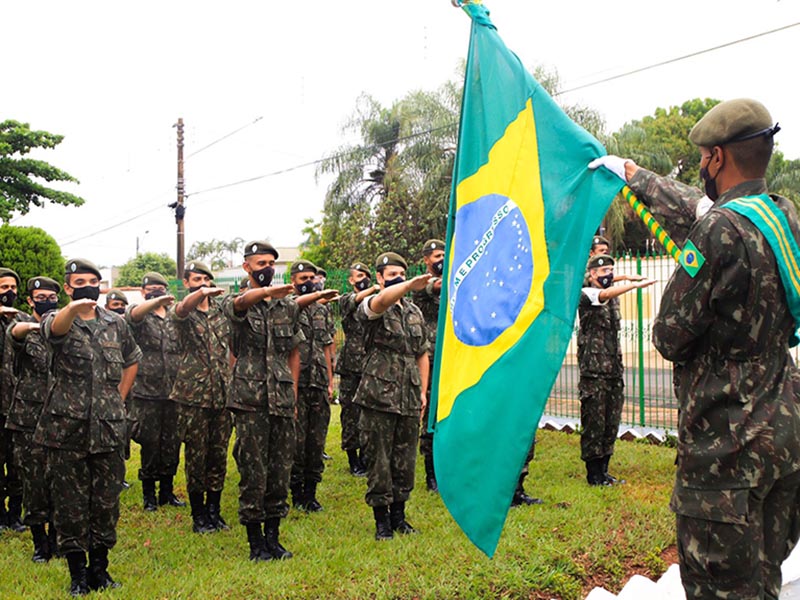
[[180, 210]]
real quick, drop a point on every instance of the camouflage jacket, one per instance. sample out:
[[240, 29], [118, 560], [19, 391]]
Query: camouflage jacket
[[203, 367], [84, 410], [351, 354], [727, 332], [31, 366], [158, 339], [599, 353], [263, 338], [428, 302], [391, 380], [7, 377], [316, 323]]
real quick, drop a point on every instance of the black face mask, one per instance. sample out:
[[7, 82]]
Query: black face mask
[[606, 281], [263, 277], [395, 281], [709, 183], [438, 267], [304, 288], [363, 284], [8, 298], [155, 294], [119, 311], [42, 308], [197, 287], [90, 292]]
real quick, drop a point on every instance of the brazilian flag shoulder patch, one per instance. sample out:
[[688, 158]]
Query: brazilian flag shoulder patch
[[691, 259]]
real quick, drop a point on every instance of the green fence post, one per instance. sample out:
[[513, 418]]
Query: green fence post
[[640, 336]]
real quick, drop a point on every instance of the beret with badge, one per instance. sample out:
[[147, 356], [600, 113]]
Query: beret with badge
[[43, 283], [390, 259], [116, 294], [303, 266], [6, 272], [600, 260], [259, 247], [198, 267], [81, 266], [360, 266], [432, 245], [733, 121], [154, 278]]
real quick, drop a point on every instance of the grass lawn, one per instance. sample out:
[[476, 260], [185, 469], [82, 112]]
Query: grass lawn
[[579, 538]]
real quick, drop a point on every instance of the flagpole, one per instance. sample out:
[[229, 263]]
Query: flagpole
[[650, 221]]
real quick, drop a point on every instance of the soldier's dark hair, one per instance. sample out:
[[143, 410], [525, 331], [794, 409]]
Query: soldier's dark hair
[[752, 156], [381, 269]]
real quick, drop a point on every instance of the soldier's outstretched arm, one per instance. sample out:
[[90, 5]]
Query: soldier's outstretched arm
[[618, 290], [140, 311], [388, 296], [307, 299], [62, 321], [193, 300]]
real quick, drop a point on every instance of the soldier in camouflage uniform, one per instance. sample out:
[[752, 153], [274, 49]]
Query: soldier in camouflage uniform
[[200, 391], [315, 386], [32, 372], [727, 331], [350, 363], [600, 363], [392, 392], [427, 299], [266, 334], [83, 424], [154, 415], [10, 482], [116, 301]]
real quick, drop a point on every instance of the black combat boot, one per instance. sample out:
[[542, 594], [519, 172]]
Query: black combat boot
[[610, 478], [52, 541], [166, 494], [258, 550], [520, 497], [383, 524], [149, 494], [298, 495], [594, 472], [430, 475], [41, 545], [77, 573], [310, 503], [356, 467], [14, 518], [214, 517], [397, 518], [98, 577], [271, 535], [200, 523]]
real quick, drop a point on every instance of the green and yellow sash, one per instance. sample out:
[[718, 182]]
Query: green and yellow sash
[[762, 212]]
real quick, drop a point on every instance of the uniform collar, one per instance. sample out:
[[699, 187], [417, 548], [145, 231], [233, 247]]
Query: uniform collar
[[751, 187]]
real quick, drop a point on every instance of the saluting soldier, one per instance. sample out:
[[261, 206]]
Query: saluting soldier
[[32, 373], [83, 424], [116, 301], [200, 391], [315, 386], [350, 363], [154, 415], [727, 331], [392, 392], [10, 482], [428, 301], [266, 334]]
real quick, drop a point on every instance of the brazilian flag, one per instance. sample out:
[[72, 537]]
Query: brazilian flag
[[523, 210]]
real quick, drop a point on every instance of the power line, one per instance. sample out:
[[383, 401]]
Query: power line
[[224, 137]]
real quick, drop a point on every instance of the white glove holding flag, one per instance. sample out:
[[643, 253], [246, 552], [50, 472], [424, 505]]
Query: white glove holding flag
[[615, 164]]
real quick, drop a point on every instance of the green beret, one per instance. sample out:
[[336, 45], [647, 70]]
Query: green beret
[[599, 240], [432, 245], [601, 260], [154, 278], [4, 272], [259, 247], [43, 283], [302, 266], [732, 121], [388, 259], [116, 294], [361, 266], [322, 272], [82, 266], [197, 267]]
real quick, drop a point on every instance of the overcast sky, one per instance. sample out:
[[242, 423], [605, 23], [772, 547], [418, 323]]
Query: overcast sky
[[114, 77]]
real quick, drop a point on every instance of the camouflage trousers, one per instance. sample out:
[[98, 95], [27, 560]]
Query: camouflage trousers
[[731, 543], [601, 412], [31, 462], [348, 384], [85, 489], [390, 447], [155, 429], [264, 453], [10, 483], [311, 429], [205, 433]]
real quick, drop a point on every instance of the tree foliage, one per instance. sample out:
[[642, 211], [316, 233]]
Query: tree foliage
[[217, 254], [21, 176], [131, 273], [31, 252]]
